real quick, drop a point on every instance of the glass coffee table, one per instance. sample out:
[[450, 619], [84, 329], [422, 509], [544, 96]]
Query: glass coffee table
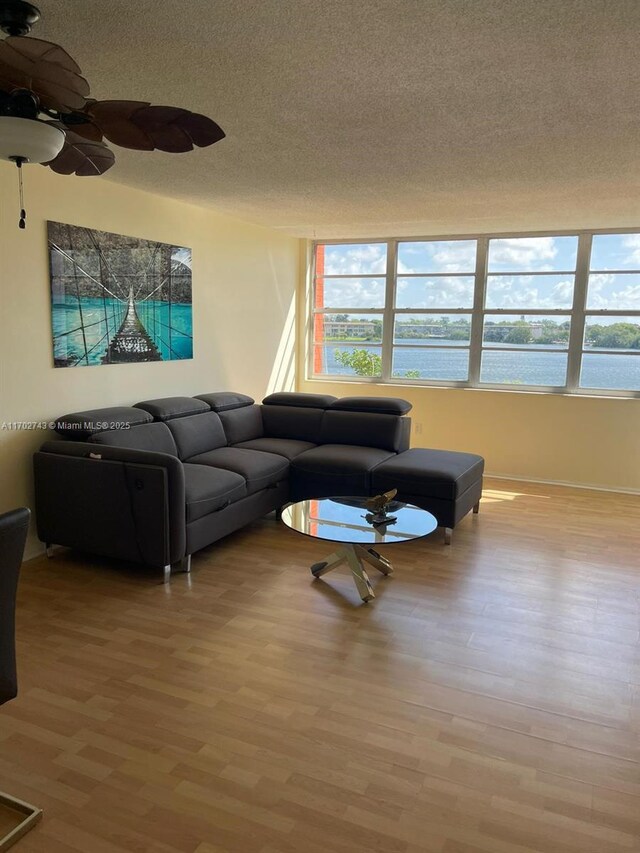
[[342, 520]]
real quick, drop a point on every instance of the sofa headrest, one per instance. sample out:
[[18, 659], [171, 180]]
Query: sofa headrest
[[379, 405], [80, 425], [155, 437], [167, 408], [367, 429], [224, 401], [295, 398], [197, 434]]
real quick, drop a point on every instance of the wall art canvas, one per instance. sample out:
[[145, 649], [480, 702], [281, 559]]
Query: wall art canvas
[[116, 299]]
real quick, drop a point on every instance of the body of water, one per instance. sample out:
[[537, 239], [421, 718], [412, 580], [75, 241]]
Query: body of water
[[540, 367], [88, 326]]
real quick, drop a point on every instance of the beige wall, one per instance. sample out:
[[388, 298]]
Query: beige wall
[[244, 280]]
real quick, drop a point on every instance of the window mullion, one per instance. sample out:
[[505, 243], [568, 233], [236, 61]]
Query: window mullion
[[310, 294], [477, 320], [388, 315], [576, 336]]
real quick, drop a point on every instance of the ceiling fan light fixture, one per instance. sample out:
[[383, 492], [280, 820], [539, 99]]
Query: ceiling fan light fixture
[[17, 17], [29, 139], [39, 77]]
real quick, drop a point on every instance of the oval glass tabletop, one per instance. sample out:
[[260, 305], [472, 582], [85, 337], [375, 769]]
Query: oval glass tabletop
[[343, 519]]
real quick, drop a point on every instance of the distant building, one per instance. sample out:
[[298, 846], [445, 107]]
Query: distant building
[[353, 329]]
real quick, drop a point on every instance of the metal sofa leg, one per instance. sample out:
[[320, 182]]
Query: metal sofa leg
[[183, 565], [448, 533], [32, 815], [476, 508]]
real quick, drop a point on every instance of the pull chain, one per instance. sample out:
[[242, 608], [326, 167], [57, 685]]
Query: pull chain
[[23, 214]]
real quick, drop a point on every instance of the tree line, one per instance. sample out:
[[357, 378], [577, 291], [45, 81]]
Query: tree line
[[516, 332]]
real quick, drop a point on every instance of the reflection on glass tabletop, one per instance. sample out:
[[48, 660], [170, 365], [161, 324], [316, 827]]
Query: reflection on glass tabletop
[[343, 519]]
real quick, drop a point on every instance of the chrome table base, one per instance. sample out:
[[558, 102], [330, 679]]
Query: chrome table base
[[355, 556]]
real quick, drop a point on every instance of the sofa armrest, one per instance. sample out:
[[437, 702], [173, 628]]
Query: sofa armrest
[[113, 501]]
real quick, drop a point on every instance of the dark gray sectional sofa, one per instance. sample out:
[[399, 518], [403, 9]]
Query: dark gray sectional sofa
[[158, 481]]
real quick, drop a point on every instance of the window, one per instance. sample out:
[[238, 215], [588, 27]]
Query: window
[[535, 276], [611, 344], [349, 293], [433, 344], [552, 313]]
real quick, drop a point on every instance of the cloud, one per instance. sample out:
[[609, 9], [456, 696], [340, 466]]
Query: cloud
[[632, 242], [442, 292], [615, 252], [522, 253], [454, 256], [356, 259], [563, 292], [614, 292], [354, 293], [530, 292], [182, 256]]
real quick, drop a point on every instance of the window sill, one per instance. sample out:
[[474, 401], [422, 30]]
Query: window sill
[[417, 386]]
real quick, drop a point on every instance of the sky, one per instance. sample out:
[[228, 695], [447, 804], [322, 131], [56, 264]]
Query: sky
[[511, 260], [182, 256]]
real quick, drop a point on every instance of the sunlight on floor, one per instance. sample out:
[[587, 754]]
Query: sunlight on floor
[[498, 495]]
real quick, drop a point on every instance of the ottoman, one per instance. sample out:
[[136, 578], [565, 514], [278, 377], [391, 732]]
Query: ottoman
[[444, 482]]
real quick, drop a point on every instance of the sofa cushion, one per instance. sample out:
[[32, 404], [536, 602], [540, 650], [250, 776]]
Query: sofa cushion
[[368, 429], [210, 489], [334, 469], [432, 473], [287, 447], [222, 401], [380, 405], [340, 458], [154, 436], [79, 425], [295, 398], [197, 434], [166, 408], [302, 424], [242, 424], [258, 469]]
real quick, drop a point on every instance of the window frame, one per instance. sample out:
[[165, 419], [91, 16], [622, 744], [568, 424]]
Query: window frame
[[577, 314]]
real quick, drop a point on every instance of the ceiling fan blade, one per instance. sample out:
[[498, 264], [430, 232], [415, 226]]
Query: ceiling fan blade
[[141, 126], [86, 129], [175, 130], [44, 68], [113, 118], [202, 130], [161, 124], [81, 157]]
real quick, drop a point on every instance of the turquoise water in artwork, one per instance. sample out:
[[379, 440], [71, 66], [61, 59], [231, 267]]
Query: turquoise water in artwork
[[83, 329]]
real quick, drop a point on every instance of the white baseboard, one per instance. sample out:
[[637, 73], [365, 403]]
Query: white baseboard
[[565, 483]]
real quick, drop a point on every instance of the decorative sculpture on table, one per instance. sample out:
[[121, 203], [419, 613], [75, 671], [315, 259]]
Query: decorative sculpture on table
[[378, 504]]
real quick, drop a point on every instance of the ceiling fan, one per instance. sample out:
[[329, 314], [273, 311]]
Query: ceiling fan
[[47, 116]]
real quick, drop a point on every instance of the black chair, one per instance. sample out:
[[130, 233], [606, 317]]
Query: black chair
[[13, 534]]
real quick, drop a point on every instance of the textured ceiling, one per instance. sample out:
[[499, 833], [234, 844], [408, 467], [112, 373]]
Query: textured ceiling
[[356, 117]]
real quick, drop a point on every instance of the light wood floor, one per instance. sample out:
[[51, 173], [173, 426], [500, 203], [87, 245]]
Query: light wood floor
[[488, 701]]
